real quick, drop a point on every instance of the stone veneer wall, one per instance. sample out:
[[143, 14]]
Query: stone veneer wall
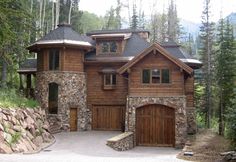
[[176, 102], [122, 142], [71, 93], [191, 120]]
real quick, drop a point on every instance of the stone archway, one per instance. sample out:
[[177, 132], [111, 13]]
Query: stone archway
[[177, 102]]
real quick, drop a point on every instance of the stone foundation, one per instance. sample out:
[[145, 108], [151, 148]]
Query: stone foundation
[[122, 142], [176, 102], [71, 94], [191, 120]]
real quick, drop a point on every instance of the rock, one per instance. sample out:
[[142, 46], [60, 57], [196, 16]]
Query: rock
[[29, 135], [1, 137], [27, 144], [7, 137], [46, 126], [17, 128], [11, 131], [226, 153], [1, 127], [46, 137], [188, 153], [4, 148], [38, 141]]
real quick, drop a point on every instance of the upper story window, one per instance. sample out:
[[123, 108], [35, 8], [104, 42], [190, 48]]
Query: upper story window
[[54, 57], [109, 81], [155, 76], [108, 47]]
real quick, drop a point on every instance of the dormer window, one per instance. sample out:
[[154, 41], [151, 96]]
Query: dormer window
[[109, 47]]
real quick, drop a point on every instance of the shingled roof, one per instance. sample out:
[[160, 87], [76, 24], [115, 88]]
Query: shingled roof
[[95, 32], [175, 49], [28, 66], [64, 34]]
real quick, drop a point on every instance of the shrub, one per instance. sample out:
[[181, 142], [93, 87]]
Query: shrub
[[10, 98]]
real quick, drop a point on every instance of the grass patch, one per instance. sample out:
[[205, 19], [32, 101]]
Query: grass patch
[[10, 98]]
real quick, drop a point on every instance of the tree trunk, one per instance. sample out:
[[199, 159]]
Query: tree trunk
[[57, 12], [43, 20], [53, 26], [221, 121], [4, 74], [69, 15]]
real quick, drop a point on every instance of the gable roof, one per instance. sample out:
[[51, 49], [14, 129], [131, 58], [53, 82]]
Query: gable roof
[[64, 34], [163, 52]]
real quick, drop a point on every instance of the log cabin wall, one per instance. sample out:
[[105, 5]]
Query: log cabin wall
[[151, 61]]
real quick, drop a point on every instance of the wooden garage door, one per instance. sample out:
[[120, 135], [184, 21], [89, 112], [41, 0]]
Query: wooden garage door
[[108, 117], [155, 126]]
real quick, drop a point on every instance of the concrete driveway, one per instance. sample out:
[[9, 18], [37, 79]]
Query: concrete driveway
[[91, 146]]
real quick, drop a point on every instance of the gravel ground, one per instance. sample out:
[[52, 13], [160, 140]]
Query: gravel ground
[[91, 146]]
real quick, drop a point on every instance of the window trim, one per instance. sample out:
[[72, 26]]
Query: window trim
[[112, 84], [59, 60], [109, 47], [151, 83]]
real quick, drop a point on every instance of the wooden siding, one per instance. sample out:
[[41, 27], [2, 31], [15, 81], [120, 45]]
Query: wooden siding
[[189, 91], [70, 60], [95, 92], [155, 126], [151, 61], [73, 60]]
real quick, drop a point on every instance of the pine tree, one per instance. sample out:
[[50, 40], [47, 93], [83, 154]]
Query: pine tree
[[134, 22], [225, 70], [206, 51], [173, 27]]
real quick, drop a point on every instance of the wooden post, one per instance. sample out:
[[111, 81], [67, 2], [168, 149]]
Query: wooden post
[[28, 87]]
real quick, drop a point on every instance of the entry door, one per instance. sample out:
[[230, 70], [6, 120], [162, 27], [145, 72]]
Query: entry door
[[73, 119], [155, 126]]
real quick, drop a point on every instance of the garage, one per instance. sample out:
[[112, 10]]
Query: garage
[[155, 126], [108, 117]]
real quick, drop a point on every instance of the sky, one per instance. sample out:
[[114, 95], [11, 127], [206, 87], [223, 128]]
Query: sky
[[190, 10]]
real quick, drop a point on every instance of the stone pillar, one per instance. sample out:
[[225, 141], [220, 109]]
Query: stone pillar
[[191, 120]]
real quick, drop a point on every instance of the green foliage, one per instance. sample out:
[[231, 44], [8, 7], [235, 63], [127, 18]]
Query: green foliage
[[15, 138], [91, 22], [10, 98], [231, 123], [134, 18]]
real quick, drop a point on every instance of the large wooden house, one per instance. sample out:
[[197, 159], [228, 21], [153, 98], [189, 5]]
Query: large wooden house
[[116, 80]]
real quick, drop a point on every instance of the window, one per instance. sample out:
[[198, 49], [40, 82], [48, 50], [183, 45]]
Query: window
[[146, 76], [165, 76], [53, 98], [54, 59], [109, 47], [155, 76], [109, 81]]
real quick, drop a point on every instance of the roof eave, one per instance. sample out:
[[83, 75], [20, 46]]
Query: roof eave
[[179, 63]]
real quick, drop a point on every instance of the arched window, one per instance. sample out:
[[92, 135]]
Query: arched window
[[53, 98]]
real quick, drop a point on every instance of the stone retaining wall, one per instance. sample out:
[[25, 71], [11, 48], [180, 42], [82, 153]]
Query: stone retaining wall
[[176, 102], [122, 142], [71, 94], [23, 130]]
